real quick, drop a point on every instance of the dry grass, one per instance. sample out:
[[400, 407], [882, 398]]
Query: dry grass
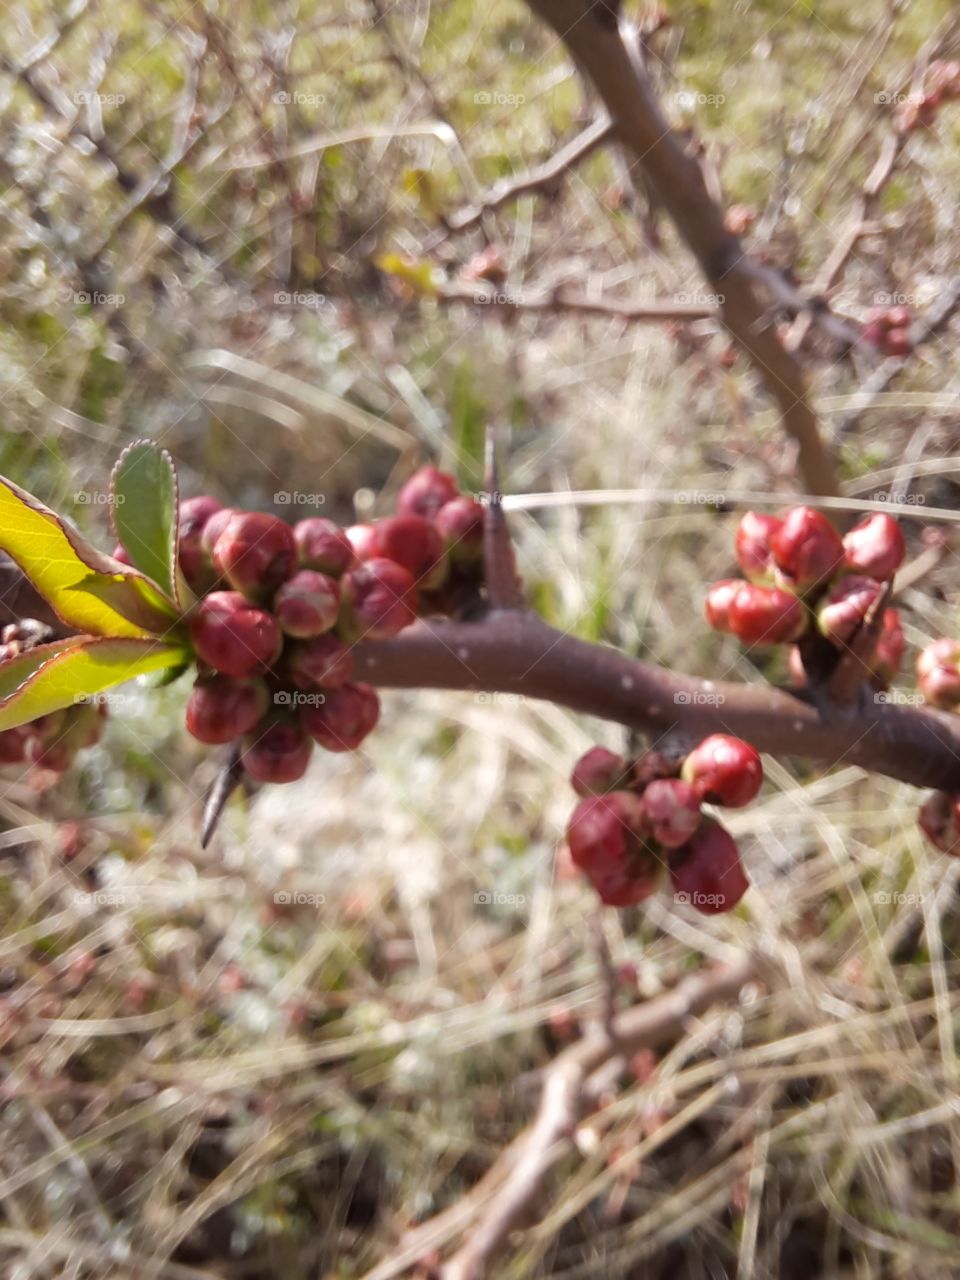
[[202, 1081]]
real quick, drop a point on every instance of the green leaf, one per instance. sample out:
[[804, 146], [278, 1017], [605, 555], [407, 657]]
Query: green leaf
[[87, 589], [145, 506], [68, 671]]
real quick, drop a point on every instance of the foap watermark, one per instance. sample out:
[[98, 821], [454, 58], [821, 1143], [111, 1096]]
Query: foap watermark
[[126, 896], [493, 898], [298, 898], [896, 299], [86, 298], [698, 899], [898, 499], [500, 699], [484, 298], [299, 298], [688, 99], [699, 498], [296, 498], [887, 99], [698, 698], [103, 699], [98, 498], [494, 98], [700, 299], [894, 898], [299, 99], [87, 98], [898, 698], [297, 698]]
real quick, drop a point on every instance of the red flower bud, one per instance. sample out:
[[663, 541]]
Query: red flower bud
[[806, 548], [413, 542], [842, 613], [323, 545], [724, 770], [379, 599], [221, 709], [13, 745], [766, 615], [897, 343], [277, 752], [605, 841], [707, 872], [344, 718], [670, 811], [460, 523], [598, 770], [939, 820], [324, 662], [426, 492], [194, 560], [752, 545], [233, 636], [938, 673], [891, 645], [875, 547], [255, 553], [307, 604], [716, 607], [213, 528]]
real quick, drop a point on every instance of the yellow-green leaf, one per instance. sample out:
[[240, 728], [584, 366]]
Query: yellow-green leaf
[[423, 276], [83, 666], [145, 502], [87, 589]]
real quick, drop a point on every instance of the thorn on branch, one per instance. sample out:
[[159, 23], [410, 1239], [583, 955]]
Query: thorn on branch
[[854, 666], [223, 787], [504, 590]]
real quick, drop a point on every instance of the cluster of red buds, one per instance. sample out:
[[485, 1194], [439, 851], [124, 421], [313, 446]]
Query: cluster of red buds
[[642, 819], [941, 85], [281, 607], [803, 580], [50, 742], [888, 329]]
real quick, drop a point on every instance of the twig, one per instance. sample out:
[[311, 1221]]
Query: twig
[[591, 33], [507, 1192], [541, 177], [561, 299]]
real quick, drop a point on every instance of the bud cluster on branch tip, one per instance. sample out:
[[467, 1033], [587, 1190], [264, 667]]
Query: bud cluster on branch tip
[[939, 820], [888, 330], [639, 822], [280, 608], [941, 84], [799, 569], [938, 673]]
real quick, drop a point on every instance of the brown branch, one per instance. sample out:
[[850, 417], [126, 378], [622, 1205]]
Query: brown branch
[[505, 1195], [541, 177], [515, 652], [561, 299], [591, 34]]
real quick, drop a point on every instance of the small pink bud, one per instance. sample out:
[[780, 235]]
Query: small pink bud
[[255, 552], [891, 646], [766, 615], [724, 770], [460, 524], [360, 537], [307, 604], [670, 811], [707, 873], [598, 770], [426, 492], [938, 673], [194, 560], [716, 607], [233, 636], [277, 752], [344, 718], [323, 662], [806, 548], [221, 709], [875, 547], [753, 545], [939, 820], [413, 542], [323, 545], [605, 841], [842, 613], [379, 599]]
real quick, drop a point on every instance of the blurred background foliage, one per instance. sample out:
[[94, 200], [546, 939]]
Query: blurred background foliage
[[228, 227]]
